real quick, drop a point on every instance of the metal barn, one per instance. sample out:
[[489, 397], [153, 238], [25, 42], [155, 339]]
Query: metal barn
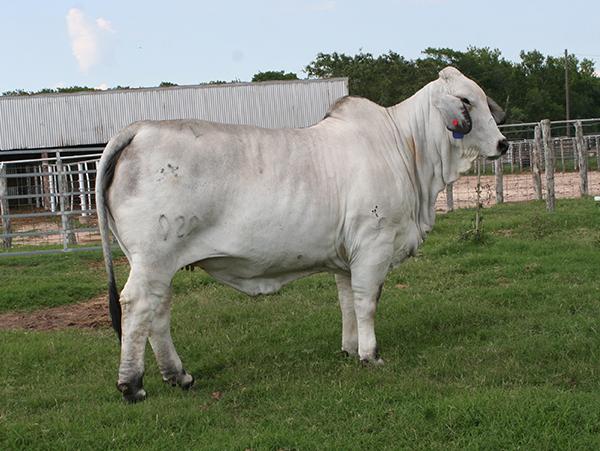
[[91, 118]]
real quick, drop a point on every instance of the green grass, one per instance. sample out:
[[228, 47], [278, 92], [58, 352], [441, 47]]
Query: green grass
[[487, 346], [29, 283]]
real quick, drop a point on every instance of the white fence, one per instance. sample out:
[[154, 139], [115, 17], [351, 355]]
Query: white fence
[[47, 201]]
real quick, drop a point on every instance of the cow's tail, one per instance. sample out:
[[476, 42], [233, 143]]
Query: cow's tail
[[104, 176]]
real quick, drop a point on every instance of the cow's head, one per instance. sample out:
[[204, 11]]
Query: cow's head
[[470, 117]]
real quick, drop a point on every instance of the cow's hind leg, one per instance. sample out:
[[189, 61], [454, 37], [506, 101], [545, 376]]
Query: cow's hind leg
[[162, 344], [349, 328], [141, 298]]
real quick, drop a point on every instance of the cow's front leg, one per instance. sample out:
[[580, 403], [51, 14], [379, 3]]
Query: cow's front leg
[[367, 283], [139, 301], [349, 330], [168, 361]]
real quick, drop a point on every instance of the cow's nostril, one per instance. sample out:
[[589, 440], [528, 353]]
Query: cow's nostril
[[503, 146]]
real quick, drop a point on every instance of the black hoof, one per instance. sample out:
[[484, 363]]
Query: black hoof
[[131, 394], [184, 380], [378, 361], [345, 353], [187, 382]]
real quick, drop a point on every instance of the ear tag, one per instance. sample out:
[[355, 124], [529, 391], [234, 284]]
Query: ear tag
[[457, 135]]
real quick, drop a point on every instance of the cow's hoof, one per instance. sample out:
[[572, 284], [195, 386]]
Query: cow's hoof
[[373, 359], [347, 354], [131, 392], [349, 351], [187, 381], [184, 380], [372, 362]]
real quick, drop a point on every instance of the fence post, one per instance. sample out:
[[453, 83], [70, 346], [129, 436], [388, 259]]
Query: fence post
[[68, 235], [450, 197], [46, 181], [549, 166], [36, 183], [535, 162], [511, 152], [82, 194], [6, 222], [499, 181], [582, 157], [562, 154], [597, 153]]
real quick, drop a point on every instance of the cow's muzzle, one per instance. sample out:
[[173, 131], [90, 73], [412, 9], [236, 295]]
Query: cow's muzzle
[[503, 146]]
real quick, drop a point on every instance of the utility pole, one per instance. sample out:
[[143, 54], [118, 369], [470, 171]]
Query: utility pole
[[567, 94]]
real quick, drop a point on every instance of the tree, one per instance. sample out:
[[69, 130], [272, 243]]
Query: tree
[[386, 79], [271, 75], [531, 89]]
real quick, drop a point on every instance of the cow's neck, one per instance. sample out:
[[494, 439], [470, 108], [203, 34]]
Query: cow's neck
[[426, 151]]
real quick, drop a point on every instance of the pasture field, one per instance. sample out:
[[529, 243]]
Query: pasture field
[[492, 345]]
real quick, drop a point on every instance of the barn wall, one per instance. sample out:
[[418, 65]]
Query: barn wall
[[90, 118]]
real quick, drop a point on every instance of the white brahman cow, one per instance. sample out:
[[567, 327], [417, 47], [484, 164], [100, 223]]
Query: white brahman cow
[[256, 208]]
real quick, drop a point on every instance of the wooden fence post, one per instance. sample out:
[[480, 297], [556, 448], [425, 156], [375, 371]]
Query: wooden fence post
[[499, 180], [549, 166], [582, 157], [597, 152], [449, 197], [4, 211], [535, 162]]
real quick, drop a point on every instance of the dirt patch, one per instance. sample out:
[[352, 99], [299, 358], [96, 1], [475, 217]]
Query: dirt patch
[[92, 314]]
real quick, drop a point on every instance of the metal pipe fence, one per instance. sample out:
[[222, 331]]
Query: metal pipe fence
[[48, 201]]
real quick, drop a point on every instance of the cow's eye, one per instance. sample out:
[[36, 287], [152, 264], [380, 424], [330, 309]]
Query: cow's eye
[[465, 101]]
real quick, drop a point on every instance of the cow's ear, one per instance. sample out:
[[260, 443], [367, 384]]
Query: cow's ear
[[455, 114], [497, 112]]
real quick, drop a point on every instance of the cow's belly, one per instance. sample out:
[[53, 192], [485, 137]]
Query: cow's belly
[[257, 261], [243, 275]]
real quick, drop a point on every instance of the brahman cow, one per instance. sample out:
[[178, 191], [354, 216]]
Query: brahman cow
[[256, 208]]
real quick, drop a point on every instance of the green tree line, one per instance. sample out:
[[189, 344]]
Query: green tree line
[[529, 89]]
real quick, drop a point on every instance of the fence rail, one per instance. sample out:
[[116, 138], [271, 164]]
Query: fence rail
[[48, 201], [47, 198]]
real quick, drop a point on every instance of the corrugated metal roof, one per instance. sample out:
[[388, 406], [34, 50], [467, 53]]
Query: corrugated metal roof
[[87, 118]]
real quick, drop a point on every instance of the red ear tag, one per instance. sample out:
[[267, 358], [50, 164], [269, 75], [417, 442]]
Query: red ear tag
[[455, 122]]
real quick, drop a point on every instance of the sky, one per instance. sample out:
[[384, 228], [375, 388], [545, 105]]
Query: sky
[[60, 43]]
